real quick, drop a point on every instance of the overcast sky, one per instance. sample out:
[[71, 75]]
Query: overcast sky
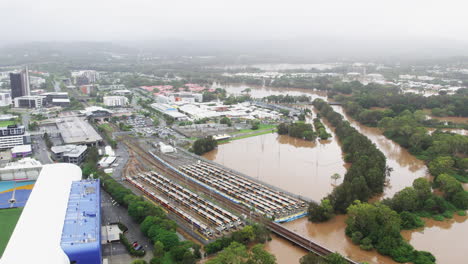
[[117, 20]]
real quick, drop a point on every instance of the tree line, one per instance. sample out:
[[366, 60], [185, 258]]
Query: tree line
[[286, 99], [320, 128], [364, 178]]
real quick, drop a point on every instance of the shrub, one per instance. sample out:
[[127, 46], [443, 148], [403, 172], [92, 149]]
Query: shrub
[[366, 244], [438, 217], [356, 237]]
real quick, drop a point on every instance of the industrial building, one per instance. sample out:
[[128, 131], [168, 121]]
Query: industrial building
[[60, 223], [69, 153], [115, 100], [170, 111], [13, 135], [76, 130]]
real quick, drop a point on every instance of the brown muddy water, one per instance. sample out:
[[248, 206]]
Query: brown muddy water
[[305, 168]]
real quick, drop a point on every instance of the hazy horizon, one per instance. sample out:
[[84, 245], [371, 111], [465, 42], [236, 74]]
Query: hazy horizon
[[328, 28]]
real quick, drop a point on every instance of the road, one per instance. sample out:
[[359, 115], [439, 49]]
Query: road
[[122, 158], [57, 86], [40, 150], [111, 212], [25, 118]]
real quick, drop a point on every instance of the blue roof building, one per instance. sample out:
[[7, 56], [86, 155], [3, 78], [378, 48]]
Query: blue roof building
[[81, 234]]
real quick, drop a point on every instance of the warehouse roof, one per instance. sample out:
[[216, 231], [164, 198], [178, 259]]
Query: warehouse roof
[[37, 235], [75, 130]]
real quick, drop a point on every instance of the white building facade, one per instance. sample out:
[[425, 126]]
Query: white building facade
[[115, 100]]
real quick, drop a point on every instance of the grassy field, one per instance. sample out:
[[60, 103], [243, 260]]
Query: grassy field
[[247, 136], [260, 127], [7, 123], [8, 219]]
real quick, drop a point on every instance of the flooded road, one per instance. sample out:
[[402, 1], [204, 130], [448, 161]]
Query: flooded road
[[305, 168]]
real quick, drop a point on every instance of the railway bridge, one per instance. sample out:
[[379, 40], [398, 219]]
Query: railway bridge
[[278, 229]]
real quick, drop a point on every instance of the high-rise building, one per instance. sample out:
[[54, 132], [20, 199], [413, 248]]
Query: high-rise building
[[20, 84], [16, 85]]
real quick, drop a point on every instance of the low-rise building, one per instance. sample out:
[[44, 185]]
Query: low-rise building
[[69, 153], [56, 98], [21, 151], [115, 100], [13, 135], [5, 99], [30, 101]]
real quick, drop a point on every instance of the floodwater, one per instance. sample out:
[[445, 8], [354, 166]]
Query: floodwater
[[298, 166], [283, 66], [405, 167], [263, 91], [305, 168], [447, 240], [454, 119]]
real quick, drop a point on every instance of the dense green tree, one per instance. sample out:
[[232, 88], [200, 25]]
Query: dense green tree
[[441, 165], [405, 200], [260, 256], [311, 258], [235, 253], [322, 212], [158, 249], [335, 258], [448, 184], [226, 120], [203, 145], [423, 189]]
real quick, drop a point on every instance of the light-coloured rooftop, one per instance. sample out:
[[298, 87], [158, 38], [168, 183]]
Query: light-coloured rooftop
[[76, 130], [69, 150], [38, 233]]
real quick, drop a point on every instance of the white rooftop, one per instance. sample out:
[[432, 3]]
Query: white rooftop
[[21, 149], [22, 163], [37, 235], [69, 150]]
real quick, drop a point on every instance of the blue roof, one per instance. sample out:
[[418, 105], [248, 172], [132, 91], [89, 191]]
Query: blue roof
[[81, 235]]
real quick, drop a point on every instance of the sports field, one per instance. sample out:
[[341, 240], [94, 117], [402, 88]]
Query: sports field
[[8, 218]]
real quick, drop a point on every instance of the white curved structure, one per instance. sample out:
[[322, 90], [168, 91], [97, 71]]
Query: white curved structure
[[37, 235]]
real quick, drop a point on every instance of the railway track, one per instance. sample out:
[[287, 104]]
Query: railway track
[[279, 230]]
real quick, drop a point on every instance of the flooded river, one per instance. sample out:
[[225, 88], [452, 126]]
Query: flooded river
[[305, 168]]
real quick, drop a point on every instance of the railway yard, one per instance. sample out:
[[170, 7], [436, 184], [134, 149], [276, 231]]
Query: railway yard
[[268, 202], [141, 169], [170, 189], [208, 218]]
